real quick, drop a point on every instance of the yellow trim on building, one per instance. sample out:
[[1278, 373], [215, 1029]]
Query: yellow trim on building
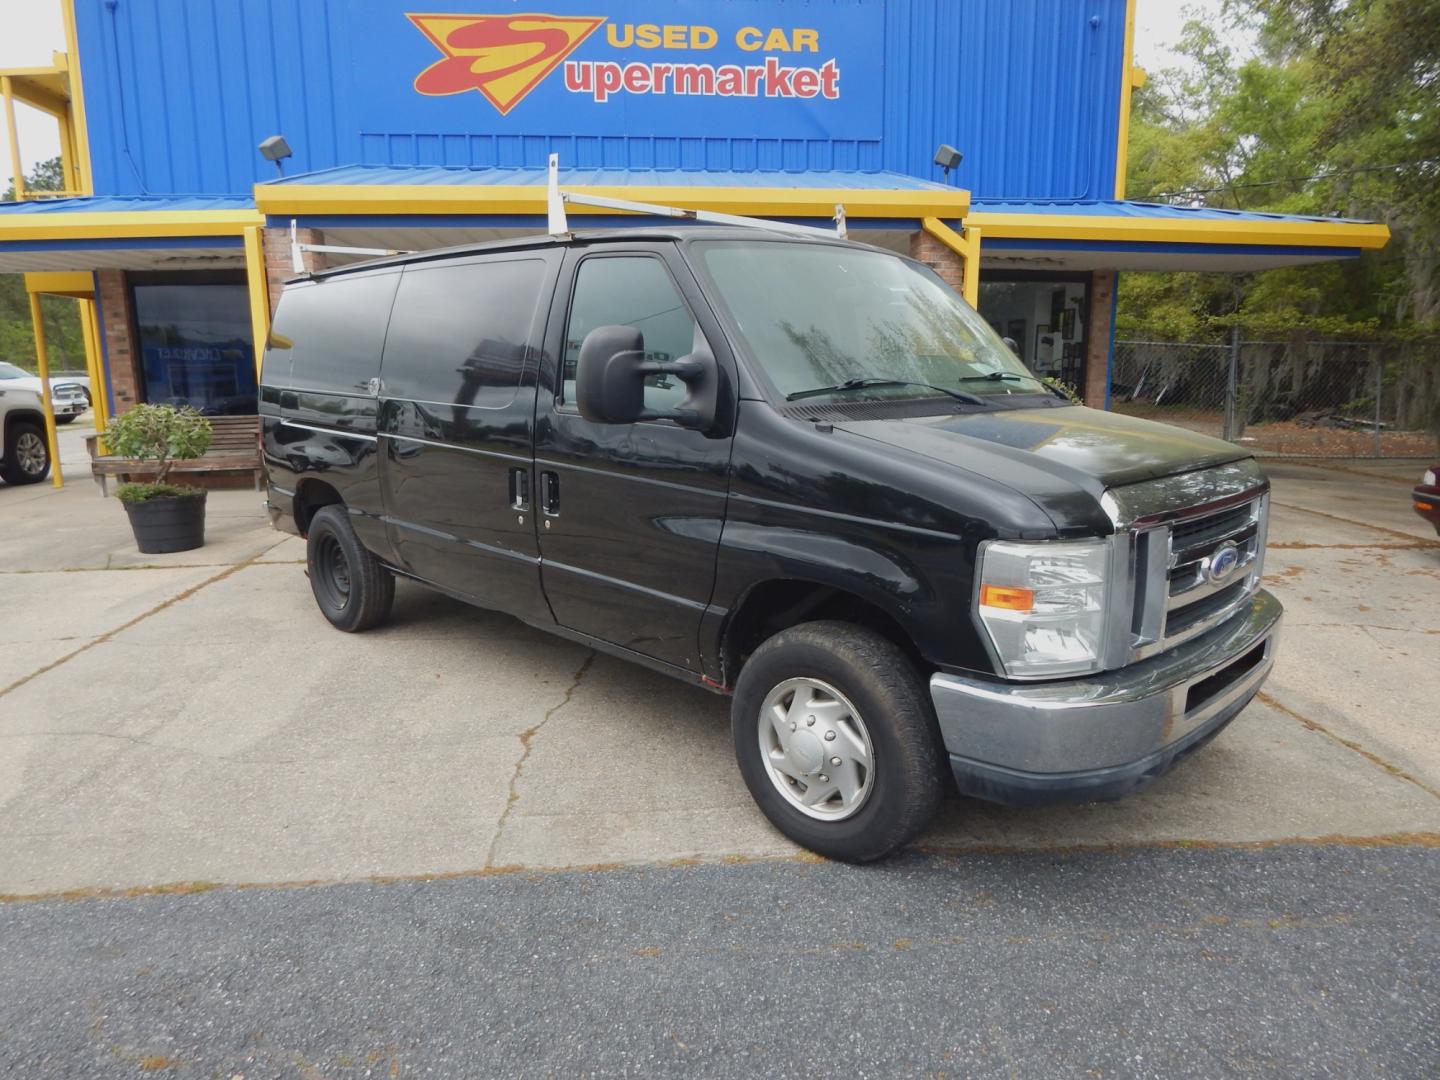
[[47, 89], [283, 200], [79, 133], [1200, 230], [259, 293], [125, 224], [1127, 86], [78, 284]]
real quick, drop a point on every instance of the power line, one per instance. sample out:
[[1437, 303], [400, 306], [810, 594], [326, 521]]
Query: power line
[[1286, 180]]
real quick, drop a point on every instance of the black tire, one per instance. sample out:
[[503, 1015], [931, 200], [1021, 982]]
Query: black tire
[[67, 419], [23, 441], [907, 774], [351, 586]]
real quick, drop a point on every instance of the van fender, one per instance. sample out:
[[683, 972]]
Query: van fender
[[868, 567]]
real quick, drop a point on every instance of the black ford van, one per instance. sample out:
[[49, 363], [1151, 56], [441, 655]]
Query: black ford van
[[802, 472]]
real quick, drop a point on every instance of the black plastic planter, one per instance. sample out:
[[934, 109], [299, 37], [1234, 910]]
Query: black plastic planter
[[169, 523]]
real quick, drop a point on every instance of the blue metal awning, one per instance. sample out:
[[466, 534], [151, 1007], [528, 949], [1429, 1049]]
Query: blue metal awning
[[118, 232], [1115, 233]]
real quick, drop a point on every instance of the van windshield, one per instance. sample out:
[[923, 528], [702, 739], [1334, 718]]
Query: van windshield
[[827, 322]]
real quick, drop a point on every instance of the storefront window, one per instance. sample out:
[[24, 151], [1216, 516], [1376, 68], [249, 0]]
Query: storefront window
[[1045, 316], [196, 345]]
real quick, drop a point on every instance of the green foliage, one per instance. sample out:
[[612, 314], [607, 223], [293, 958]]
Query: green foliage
[[1063, 387], [1335, 94], [159, 433], [46, 176], [136, 492], [64, 344]]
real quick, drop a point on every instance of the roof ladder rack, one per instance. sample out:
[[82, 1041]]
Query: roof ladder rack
[[556, 201], [297, 250]]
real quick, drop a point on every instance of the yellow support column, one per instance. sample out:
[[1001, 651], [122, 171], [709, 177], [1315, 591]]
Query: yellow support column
[[38, 319], [94, 365], [7, 93], [972, 266], [967, 247], [259, 294]]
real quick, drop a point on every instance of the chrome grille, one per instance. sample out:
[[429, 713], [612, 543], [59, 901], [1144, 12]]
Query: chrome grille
[[1202, 586], [1166, 532], [1178, 590]]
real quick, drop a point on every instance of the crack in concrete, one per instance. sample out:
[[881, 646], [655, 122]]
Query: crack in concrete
[[1301, 545], [1360, 626], [1349, 744], [1410, 537], [183, 595], [526, 739]]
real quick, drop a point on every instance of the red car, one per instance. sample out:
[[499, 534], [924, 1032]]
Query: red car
[[1426, 497]]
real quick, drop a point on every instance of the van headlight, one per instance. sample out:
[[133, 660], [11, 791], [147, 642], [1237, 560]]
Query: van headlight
[[1043, 605]]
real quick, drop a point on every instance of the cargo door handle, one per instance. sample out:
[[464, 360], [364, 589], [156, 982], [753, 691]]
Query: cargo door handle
[[519, 489], [550, 493]]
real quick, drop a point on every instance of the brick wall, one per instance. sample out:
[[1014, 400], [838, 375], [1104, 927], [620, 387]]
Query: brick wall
[[1097, 339], [122, 354], [278, 266], [934, 254]]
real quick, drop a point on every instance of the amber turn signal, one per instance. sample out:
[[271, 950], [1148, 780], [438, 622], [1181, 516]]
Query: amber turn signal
[[1007, 597]]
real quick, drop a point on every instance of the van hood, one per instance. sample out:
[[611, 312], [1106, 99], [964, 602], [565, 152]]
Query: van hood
[[1052, 454]]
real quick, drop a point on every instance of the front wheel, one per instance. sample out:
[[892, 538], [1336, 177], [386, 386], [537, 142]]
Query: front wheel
[[27, 454], [351, 586], [837, 741]]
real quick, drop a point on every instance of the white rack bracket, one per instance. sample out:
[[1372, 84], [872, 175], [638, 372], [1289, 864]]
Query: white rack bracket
[[554, 201], [557, 200], [297, 250]]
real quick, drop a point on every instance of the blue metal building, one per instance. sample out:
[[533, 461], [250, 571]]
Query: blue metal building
[[414, 128]]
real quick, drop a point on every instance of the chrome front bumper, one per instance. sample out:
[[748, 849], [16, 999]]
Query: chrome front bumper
[[1106, 735]]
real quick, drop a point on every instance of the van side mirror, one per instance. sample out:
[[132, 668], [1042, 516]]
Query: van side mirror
[[610, 380]]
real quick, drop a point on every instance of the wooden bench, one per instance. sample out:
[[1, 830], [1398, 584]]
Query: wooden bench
[[234, 447]]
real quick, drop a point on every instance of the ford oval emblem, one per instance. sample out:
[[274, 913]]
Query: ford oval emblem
[[1223, 561]]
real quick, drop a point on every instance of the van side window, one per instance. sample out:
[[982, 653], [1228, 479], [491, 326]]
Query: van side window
[[333, 329], [460, 331], [631, 291]]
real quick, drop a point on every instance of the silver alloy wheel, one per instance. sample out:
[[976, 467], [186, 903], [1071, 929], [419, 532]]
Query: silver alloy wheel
[[30, 453], [816, 749]]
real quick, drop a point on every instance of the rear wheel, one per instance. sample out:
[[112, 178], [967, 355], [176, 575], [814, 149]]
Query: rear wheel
[[27, 455], [351, 586], [836, 738]]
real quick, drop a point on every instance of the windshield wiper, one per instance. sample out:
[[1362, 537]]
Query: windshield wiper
[[996, 376], [861, 384]]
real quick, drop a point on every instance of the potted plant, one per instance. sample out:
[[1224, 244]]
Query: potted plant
[[164, 517]]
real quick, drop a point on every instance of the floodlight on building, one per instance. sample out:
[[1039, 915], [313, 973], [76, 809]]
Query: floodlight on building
[[947, 157], [275, 149]]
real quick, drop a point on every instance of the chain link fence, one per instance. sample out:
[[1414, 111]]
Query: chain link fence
[[1301, 397]]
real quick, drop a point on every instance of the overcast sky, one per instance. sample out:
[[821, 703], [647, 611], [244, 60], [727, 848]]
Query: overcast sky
[[31, 29]]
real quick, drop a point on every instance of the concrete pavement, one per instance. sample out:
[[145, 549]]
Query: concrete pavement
[[192, 717]]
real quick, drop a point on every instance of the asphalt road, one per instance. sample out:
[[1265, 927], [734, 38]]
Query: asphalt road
[[1296, 960]]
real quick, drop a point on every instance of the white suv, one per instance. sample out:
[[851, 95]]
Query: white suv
[[24, 453], [69, 394]]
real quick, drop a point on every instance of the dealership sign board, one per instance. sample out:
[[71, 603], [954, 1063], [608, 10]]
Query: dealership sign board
[[700, 68]]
